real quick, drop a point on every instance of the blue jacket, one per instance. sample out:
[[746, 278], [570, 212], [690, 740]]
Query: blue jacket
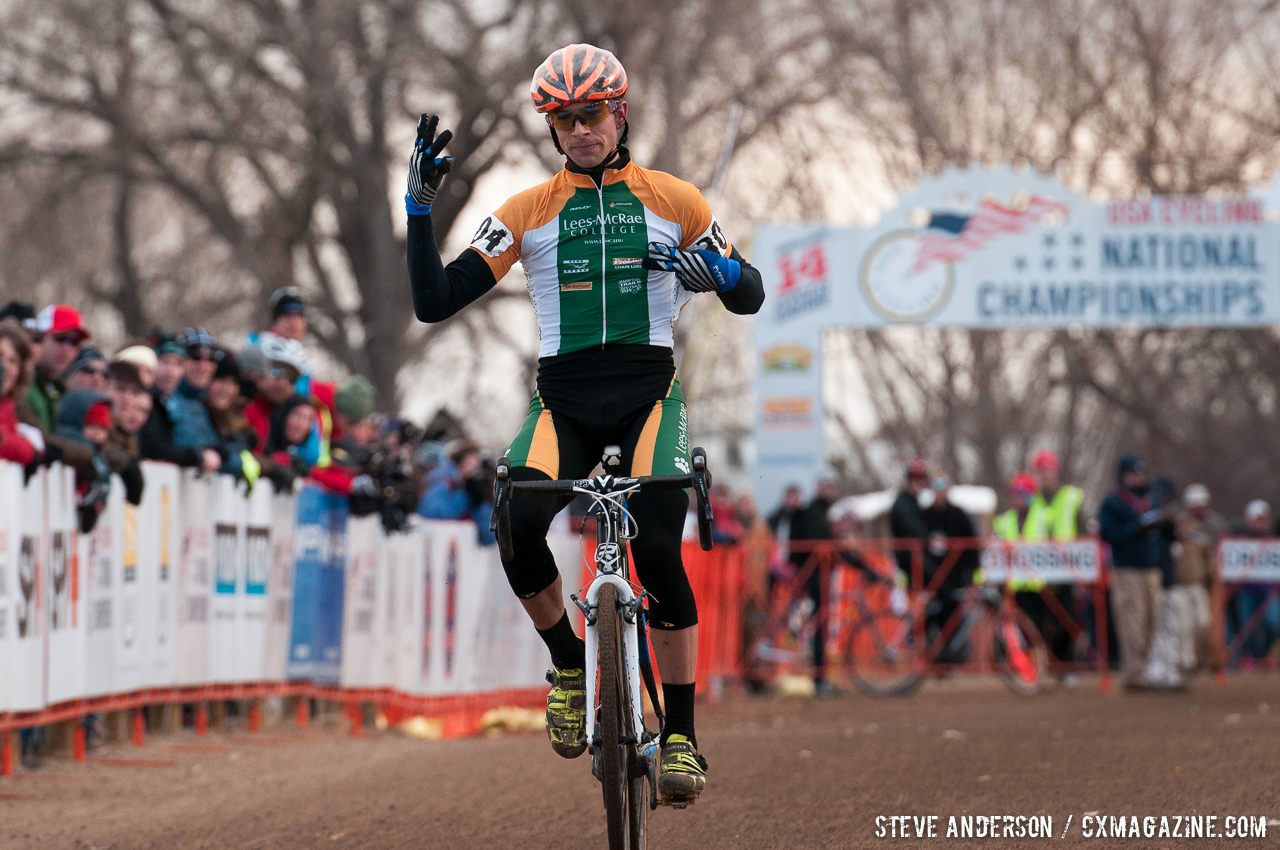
[[446, 497], [192, 428], [1132, 546]]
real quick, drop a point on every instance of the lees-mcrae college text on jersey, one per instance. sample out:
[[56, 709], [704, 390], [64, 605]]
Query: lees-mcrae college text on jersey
[[582, 248]]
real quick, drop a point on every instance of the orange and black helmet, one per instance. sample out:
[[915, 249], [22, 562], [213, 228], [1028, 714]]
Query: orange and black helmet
[[576, 74]]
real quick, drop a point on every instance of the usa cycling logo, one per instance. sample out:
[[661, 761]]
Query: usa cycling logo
[[908, 275], [805, 285]]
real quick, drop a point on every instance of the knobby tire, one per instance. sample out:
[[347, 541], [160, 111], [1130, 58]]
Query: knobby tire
[[613, 760]]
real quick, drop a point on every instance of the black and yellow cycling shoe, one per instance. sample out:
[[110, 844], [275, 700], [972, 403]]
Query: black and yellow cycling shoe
[[683, 773], [567, 712]]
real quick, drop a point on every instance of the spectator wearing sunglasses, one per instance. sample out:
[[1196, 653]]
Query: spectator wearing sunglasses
[[87, 372], [285, 363], [192, 427], [61, 330], [156, 439]]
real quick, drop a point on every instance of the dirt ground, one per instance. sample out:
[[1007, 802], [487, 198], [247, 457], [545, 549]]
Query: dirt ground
[[784, 773]]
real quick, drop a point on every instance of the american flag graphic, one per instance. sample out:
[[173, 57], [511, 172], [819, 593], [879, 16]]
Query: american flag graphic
[[949, 238]]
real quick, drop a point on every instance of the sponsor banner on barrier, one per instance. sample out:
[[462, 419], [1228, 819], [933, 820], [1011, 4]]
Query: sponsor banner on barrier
[[428, 611], [10, 535], [279, 588], [315, 642], [28, 548], [64, 577], [157, 575], [360, 591], [255, 572], [227, 594], [195, 579], [1075, 562], [104, 572], [1249, 560]]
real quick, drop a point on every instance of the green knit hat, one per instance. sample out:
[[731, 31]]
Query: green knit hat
[[354, 398]]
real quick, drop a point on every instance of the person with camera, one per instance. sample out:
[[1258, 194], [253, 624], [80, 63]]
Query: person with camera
[[460, 488]]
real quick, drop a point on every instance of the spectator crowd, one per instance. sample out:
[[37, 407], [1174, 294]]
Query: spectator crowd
[[1159, 548], [255, 412]]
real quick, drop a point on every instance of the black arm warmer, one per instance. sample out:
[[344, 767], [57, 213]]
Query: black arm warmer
[[745, 298], [440, 291]]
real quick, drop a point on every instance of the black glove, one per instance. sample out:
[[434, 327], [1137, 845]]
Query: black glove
[[426, 167], [281, 477], [52, 454], [133, 481]]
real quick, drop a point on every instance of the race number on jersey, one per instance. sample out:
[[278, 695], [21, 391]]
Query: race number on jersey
[[493, 237], [713, 239]]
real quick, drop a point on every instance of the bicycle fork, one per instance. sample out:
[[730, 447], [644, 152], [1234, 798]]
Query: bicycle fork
[[629, 604]]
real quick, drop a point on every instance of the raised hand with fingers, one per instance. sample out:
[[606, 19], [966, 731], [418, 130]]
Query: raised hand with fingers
[[426, 167], [697, 269]]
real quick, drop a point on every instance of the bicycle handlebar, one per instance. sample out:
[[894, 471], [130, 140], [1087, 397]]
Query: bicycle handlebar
[[604, 485], [504, 489]]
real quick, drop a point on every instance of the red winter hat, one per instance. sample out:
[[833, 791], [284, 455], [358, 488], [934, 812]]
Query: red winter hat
[[1044, 459], [60, 318], [99, 414], [1023, 484]]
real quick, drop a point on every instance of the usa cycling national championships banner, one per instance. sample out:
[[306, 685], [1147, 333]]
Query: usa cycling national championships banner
[[996, 248]]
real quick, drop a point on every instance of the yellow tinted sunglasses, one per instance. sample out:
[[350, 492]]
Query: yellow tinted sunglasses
[[590, 114]]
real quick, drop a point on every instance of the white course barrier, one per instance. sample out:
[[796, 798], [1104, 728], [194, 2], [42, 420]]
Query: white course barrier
[[201, 584]]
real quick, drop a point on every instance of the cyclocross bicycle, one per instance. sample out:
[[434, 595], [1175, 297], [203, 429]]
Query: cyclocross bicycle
[[888, 655], [624, 754]]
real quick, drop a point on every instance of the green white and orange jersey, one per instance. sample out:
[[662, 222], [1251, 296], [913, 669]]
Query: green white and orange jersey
[[582, 246]]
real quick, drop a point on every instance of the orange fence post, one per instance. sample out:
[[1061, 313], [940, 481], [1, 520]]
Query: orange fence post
[[255, 716], [303, 714], [139, 727], [6, 754], [79, 744], [202, 718], [356, 716]]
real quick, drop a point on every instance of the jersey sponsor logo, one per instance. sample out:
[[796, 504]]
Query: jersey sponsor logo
[[492, 237], [576, 286], [630, 285], [681, 464], [627, 262]]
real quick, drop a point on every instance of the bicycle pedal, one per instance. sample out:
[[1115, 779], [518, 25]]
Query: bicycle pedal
[[676, 802]]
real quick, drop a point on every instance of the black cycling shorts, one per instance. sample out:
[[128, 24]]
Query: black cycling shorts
[[624, 395]]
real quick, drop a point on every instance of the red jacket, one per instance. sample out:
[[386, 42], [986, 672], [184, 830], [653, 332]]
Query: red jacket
[[258, 413], [13, 446]]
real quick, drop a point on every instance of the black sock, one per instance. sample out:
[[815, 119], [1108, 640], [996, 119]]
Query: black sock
[[568, 651], [678, 700]]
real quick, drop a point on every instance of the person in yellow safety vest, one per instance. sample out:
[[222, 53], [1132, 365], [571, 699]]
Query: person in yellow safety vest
[[1062, 502], [1026, 520], [1063, 505]]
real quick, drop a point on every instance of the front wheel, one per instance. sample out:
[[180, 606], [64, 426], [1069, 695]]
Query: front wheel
[[883, 654], [1020, 652], [615, 761]]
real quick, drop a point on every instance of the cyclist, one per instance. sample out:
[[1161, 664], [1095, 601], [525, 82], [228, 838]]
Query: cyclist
[[611, 253]]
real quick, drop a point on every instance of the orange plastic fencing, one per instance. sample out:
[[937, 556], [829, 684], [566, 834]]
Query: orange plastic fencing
[[459, 715], [852, 595], [718, 579]]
